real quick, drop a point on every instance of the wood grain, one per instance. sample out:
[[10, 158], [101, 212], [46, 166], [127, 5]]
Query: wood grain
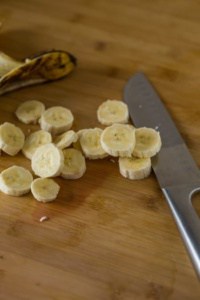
[[107, 238]]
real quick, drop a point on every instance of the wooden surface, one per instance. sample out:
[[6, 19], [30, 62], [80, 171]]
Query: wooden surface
[[107, 238]]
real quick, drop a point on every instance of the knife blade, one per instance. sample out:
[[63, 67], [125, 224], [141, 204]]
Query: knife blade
[[176, 171]]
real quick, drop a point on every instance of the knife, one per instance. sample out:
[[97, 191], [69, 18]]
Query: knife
[[177, 173]]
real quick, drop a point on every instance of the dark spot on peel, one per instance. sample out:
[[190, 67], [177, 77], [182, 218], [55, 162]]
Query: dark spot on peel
[[1, 257]]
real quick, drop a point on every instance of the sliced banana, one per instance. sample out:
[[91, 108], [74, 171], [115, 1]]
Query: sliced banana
[[148, 142], [90, 143], [77, 144], [15, 181], [35, 140], [74, 164], [66, 139], [118, 140], [47, 161], [45, 189], [56, 119], [134, 168], [11, 138], [30, 111], [112, 111]]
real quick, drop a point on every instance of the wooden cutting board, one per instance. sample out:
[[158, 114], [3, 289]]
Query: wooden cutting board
[[107, 238]]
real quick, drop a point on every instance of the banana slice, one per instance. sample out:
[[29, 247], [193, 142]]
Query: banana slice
[[47, 161], [77, 144], [56, 119], [74, 164], [112, 111], [118, 140], [44, 189], [30, 111], [35, 140], [90, 143], [66, 139], [11, 138], [15, 181], [134, 168], [148, 142]]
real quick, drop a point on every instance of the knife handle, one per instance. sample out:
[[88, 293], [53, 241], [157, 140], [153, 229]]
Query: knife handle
[[179, 199]]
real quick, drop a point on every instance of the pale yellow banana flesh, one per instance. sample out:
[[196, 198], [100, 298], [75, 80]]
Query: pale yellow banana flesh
[[56, 119], [66, 139], [11, 138], [118, 140], [15, 181], [90, 143], [35, 140], [134, 168], [112, 111], [44, 189], [148, 142], [74, 164], [49, 161], [30, 111]]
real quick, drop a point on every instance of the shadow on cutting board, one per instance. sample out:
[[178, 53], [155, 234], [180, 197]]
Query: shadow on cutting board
[[19, 44]]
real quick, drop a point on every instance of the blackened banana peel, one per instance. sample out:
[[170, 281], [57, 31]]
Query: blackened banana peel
[[43, 67]]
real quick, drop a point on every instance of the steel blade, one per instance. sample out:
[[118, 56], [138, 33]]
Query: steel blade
[[174, 164]]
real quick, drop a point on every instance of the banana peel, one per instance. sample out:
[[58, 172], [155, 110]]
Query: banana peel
[[43, 67]]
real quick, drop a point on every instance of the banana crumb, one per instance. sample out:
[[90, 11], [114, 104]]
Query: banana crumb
[[44, 218]]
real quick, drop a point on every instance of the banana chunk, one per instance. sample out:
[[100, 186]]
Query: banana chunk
[[112, 111], [44, 189], [148, 142], [90, 143], [30, 111], [134, 168], [47, 161], [77, 144], [11, 138], [66, 139], [15, 181], [56, 119], [118, 140], [74, 164], [35, 140]]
